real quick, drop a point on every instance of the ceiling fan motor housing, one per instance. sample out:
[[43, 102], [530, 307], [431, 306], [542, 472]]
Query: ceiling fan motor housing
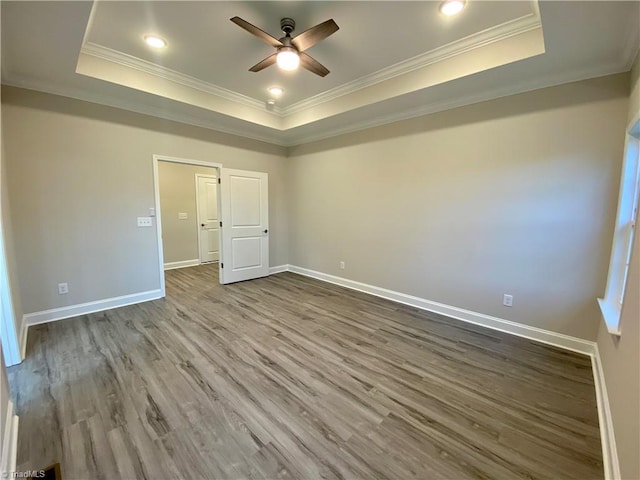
[[287, 25]]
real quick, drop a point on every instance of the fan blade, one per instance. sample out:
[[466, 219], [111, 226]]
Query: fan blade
[[313, 65], [309, 38], [262, 35], [267, 62]]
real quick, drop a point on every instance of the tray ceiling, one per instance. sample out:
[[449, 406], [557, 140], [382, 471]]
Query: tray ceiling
[[387, 61]]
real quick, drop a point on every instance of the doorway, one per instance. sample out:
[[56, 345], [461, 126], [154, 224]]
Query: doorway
[[177, 229], [238, 203]]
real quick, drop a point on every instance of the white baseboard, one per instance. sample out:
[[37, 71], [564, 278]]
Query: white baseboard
[[532, 333], [61, 313], [9, 443], [607, 434], [278, 269], [183, 264]]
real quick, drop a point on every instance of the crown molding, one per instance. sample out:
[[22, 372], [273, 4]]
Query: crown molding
[[477, 40], [294, 140], [135, 63], [158, 112], [480, 39], [427, 109]]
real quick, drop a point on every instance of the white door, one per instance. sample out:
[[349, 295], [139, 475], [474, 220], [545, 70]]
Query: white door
[[208, 222], [245, 225]]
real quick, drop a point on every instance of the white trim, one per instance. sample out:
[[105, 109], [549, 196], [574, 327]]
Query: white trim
[[182, 264], [140, 65], [278, 269], [145, 109], [532, 84], [61, 313], [9, 443], [286, 139], [610, 312], [8, 332], [611, 303], [201, 163], [605, 420], [507, 326], [156, 199]]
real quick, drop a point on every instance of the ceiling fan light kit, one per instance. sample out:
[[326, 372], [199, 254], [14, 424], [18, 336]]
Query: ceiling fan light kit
[[290, 51], [288, 58]]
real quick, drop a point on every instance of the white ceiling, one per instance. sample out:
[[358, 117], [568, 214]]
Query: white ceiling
[[388, 61], [369, 39]]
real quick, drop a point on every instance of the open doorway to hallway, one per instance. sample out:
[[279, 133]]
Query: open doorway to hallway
[[188, 214], [239, 203], [187, 198]]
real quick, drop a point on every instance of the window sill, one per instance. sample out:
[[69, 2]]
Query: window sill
[[611, 315]]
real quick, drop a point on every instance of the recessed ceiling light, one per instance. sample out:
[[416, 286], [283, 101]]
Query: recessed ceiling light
[[155, 42], [452, 7], [276, 91]]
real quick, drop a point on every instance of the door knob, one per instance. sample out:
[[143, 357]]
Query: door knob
[[202, 225], [266, 231]]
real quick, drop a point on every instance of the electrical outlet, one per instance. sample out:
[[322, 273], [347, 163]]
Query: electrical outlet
[[341, 265], [152, 212], [145, 222], [507, 300], [63, 288]]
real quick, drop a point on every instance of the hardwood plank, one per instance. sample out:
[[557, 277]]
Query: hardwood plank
[[288, 377]]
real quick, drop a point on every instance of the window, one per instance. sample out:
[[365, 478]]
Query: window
[[611, 304]]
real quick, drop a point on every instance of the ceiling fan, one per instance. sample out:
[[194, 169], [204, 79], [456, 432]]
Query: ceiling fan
[[290, 51]]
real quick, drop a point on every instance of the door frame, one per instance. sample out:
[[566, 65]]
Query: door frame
[[158, 212], [203, 175], [13, 347]]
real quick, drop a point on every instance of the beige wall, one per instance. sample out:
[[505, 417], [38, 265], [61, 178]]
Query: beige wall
[[516, 195], [178, 195], [621, 357], [81, 173]]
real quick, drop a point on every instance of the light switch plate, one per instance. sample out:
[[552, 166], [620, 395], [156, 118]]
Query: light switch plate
[[507, 300], [182, 216], [145, 222]]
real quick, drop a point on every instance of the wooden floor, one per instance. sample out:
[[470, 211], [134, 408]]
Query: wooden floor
[[289, 377]]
